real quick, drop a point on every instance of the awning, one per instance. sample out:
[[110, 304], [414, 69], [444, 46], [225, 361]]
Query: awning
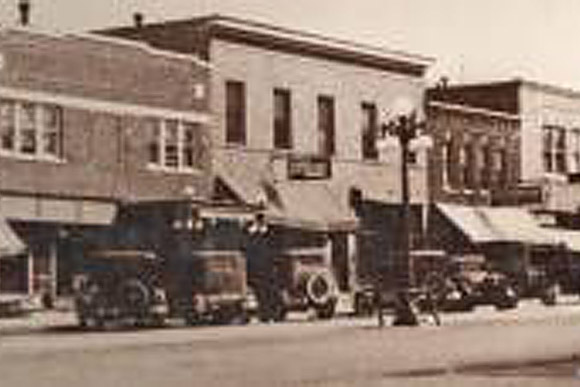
[[10, 243], [569, 238], [309, 205], [242, 173], [497, 224], [468, 221]]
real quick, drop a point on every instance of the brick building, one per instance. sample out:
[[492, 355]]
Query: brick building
[[476, 153], [87, 122], [297, 123], [548, 133]]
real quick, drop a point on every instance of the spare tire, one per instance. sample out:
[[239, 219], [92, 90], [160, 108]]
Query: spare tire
[[320, 289], [134, 293]]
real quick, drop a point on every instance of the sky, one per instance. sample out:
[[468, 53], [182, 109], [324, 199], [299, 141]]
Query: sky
[[470, 40]]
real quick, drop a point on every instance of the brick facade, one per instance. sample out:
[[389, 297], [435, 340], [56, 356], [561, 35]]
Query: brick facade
[[476, 154], [82, 119], [106, 91]]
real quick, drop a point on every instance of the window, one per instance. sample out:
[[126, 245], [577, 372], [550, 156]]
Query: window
[[560, 151], [7, 124], [369, 131], [235, 112], [51, 136], [446, 161], [30, 129], [486, 173], [469, 165], [174, 144], [193, 147], [554, 149], [574, 151], [326, 125], [282, 119]]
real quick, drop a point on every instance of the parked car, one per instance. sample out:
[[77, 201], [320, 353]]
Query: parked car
[[470, 282], [120, 287]]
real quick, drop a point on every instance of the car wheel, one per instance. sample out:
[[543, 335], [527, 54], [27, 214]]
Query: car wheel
[[551, 295], [327, 310]]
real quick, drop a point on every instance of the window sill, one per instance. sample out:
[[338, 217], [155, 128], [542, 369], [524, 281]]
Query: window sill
[[32, 157], [173, 171]]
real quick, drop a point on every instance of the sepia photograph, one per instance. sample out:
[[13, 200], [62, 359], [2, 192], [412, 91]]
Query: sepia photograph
[[263, 193]]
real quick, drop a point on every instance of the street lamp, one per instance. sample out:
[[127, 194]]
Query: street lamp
[[403, 129]]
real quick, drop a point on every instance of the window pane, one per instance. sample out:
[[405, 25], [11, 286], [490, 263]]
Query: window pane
[[52, 135], [235, 112], [171, 144], [369, 131], [153, 130], [28, 128], [326, 125], [282, 119], [7, 124], [189, 145]]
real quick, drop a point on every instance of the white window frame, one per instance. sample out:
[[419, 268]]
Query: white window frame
[[39, 153], [162, 135]]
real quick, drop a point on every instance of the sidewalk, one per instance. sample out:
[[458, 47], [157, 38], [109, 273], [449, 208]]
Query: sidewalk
[[37, 321]]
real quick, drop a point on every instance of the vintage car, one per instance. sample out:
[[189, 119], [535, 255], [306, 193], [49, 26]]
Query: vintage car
[[308, 284], [217, 290], [120, 287], [201, 245], [469, 281], [542, 272]]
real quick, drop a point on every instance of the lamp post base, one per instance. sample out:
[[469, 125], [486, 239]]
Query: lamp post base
[[406, 312]]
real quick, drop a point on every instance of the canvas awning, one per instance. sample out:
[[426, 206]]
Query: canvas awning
[[497, 224], [569, 238], [10, 243], [309, 205]]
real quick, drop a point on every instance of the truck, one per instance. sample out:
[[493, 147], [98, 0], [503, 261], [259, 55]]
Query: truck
[[198, 250]]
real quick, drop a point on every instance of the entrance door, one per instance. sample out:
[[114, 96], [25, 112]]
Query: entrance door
[[340, 263]]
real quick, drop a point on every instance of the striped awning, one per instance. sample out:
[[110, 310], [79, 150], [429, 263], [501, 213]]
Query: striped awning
[[497, 224]]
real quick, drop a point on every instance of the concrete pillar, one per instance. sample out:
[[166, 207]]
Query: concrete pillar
[[30, 275], [53, 263], [352, 251]]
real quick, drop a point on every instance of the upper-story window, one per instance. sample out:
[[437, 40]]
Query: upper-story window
[[175, 145], [235, 112], [326, 125], [282, 119], [369, 131], [30, 129], [574, 149], [554, 149]]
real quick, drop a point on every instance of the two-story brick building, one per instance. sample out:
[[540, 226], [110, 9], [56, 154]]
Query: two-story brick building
[[297, 123], [524, 132], [87, 122], [548, 151]]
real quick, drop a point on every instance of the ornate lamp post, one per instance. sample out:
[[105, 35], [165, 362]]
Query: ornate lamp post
[[403, 130]]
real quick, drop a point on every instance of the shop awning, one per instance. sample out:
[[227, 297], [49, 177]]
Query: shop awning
[[10, 243], [311, 206], [306, 204], [569, 238], [497, 224], [469, 222]]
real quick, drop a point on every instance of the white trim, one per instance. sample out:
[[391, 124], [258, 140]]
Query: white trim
[[312, 38], [31, 156], [92, 104], [473, 110], [173, 170]]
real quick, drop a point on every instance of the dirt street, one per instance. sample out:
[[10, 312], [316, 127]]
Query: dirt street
[[344, 352]]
